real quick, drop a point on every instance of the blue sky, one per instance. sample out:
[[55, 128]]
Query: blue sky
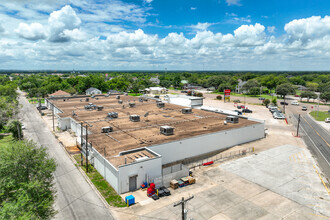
[[159, 34]]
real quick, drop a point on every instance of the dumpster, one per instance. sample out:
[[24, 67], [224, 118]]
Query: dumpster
[[130, 200]]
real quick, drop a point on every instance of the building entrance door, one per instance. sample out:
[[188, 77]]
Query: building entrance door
[[132, 183]]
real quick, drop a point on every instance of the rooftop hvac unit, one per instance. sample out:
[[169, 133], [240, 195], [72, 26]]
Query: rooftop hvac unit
[[113, 115], [186, 110], [160, 104], [232, 119], [97, 98], [87, 99], [107, 95], [166, 130], [131, 104], [134, 118], [140, 100], [99, 108], [120, 101], [118, 97], [106, 129]]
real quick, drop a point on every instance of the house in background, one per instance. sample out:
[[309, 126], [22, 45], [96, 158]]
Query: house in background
[[155, 80], [155, 90], [59, 93], [93, 91], [239, 87]]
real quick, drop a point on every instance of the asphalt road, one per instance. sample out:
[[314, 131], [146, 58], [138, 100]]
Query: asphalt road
[[316, 138], [75, 197]]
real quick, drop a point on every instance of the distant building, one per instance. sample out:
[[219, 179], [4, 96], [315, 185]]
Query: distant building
[[155, 90], [302, 88], [59, 93], [239, 87], [114, 92], [192, 87], [155, 80], [93, 91]]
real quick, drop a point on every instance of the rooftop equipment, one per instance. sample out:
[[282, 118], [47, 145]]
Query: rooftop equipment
[[134, 118], [160, 104], [87, 99], [118, 97], [232, 119], [166, 130], [120, 101], [99, 108], [140, 100], [131, 104], [186, 111], [107, 129], [113, 115]]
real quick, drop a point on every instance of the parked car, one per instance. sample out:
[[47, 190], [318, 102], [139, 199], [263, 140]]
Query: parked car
[[42, 107], [261, 98], [238, 112], [280, 116], [304, 108], [240, 106], [327, 120], [284, 103], [246, 110], [184, 91], [294, 103]]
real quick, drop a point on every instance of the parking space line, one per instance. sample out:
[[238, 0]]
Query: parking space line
[[325, 186], [322, 216]]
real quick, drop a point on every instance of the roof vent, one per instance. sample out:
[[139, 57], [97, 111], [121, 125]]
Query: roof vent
[[90, 106], [160, 104], [113, 115], [131, 104], [232, 119], [166, 130], [134, 118], [87, 99], [140, 100], [107, 129], [120, 101], [99, 108], [118, 97], [186, 111]]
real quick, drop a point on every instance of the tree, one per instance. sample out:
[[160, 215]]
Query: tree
[[15, 127], [26, 186], [308, 95], [266, 102], [252, 86], [312, 86], [274, 101], [285, 89], [325, 96]]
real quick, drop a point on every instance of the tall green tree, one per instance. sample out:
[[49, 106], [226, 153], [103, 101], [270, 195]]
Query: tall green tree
[[325, 96], [285, 89], [26, 182]]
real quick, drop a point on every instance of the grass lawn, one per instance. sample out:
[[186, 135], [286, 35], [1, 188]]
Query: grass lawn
[[5, 140], [35, 100], [253, 96], [322, 115], [135, 94], [109, 194]]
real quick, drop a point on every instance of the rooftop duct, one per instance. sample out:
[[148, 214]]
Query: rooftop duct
[[131, 104], [118, 97], [106, 129], [113, 115], [186, 111], [134, 118], [160, 104], [120, 101], [166, 130], [99, 108]]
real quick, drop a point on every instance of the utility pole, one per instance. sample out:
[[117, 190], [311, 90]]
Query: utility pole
[[298, 125], [284, 105], [182, 202], [81, 143], [86, 150]]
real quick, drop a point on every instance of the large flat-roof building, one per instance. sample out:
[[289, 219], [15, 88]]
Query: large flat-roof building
[[144, 139]]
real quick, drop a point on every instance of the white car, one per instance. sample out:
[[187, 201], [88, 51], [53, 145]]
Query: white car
[[294, 103], [327, 120]]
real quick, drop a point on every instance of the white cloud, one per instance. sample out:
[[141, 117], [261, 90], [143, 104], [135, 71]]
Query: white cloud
[[271, 29], [193, 8], [34, 31], [2, 29], [250, 35], [148, 1], [233, 2], [200, 26]]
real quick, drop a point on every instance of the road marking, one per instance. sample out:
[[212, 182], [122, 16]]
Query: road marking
[[316, 131], [325, 186]]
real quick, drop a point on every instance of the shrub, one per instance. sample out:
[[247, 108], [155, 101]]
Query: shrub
[[219, 97], [266, 102], [237, 101], [199, 94]]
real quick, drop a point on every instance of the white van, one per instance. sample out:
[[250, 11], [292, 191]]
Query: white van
[[295, 103]]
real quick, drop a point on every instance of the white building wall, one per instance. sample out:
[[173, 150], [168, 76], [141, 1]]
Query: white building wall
[[148, 169], [64, 123], [195, 146], [180, 101]]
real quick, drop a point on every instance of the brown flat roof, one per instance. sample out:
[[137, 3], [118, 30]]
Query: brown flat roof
[[128, 135]]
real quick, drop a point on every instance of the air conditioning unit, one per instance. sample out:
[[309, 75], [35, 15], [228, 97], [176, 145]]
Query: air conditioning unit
[[99, 108], [160, 104], [134, 118], [166, 130], [186, 111], [120, 101], [113, 115], [131, 104], [107, 129], [118, 97], [140, 100], [232, 119], [87, 99]]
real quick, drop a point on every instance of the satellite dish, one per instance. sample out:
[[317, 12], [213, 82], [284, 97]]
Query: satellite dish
[[146, 114]]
